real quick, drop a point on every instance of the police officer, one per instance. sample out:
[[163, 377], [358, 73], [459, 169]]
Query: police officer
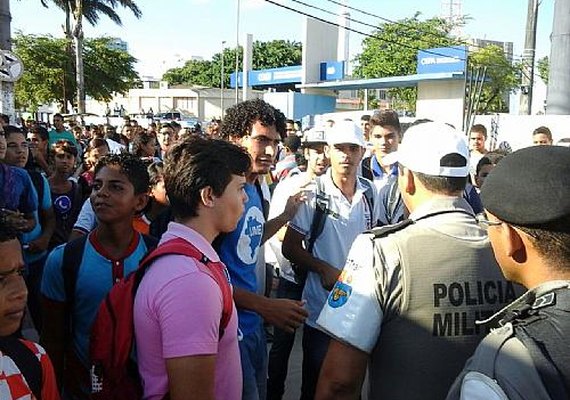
[[527, 200], [409, 294]]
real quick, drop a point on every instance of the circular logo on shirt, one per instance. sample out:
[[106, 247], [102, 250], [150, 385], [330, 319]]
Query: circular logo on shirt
[[250, 236], [62, 204], [339, 294]]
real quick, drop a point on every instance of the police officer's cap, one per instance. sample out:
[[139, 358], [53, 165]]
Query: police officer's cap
[[530, 186]]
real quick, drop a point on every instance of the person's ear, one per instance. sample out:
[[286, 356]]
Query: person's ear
[[141, 202], [407, 181], [207, 196], [327, 151], [514, 243]]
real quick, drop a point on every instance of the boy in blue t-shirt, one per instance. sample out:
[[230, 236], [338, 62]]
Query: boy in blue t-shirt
[[112, 251]]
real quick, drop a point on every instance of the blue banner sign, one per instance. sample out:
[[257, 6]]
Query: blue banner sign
[[273, 76], [442, 59]]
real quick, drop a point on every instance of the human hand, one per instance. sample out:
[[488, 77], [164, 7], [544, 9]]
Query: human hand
[[329, 276], [15, 219], [294, 202], [285, 314], [39, 245]]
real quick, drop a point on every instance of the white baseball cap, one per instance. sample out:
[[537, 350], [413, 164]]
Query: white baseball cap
[[345, 132], [315, 135], [424, 146]]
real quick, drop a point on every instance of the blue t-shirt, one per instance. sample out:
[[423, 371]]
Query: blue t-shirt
[[239, 250], [27, 237], [94, 281], [17, 191]]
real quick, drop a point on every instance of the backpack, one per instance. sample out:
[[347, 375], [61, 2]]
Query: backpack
[[71, 261], [114, 373], [26, 361], [322, 203]]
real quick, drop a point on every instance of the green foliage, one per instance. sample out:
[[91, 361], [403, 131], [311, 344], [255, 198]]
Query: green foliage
[[92, 9], [273, 54], [392, 51], [502, 78], [46, 61], [543, 66]]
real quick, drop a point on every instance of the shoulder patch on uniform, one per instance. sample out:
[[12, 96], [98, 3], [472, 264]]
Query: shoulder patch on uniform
[[544, 300], [386, 230]]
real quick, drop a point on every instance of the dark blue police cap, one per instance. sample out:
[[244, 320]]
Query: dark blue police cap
[[530, 186]]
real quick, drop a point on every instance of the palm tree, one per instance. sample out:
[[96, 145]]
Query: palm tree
[[91, 10]]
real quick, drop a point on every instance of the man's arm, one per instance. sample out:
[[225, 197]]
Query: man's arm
[[341, 383], [272, 226], [294, 251], [191, 377], [285, 314], [47, 218]]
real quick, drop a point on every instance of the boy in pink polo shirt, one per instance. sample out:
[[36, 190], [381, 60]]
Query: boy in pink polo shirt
[[178, 307]]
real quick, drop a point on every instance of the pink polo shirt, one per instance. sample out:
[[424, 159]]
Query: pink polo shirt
[[177, 313]]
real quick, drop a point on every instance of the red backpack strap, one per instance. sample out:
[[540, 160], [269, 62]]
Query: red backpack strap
[[217, 271]]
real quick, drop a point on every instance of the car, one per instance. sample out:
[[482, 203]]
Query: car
[[186, 121]]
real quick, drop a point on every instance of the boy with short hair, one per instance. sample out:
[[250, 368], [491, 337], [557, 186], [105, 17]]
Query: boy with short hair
[[183, 348], [110, 252], [67, 194], [25, 368]]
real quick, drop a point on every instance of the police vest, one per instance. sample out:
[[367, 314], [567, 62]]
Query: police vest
[[447, 283]]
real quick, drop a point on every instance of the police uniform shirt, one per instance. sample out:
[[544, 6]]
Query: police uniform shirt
[[514, 372], [366, 294], [344, 222]]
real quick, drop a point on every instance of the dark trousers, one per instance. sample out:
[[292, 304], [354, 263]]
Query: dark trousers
[[315, 346], [282, 345]]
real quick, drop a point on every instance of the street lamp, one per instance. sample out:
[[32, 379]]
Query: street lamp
[[222, 83]]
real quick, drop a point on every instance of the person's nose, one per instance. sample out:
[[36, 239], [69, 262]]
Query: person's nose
[[18, 289], [271, 149]]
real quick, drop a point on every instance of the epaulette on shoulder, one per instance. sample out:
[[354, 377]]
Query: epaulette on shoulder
[[386, 230]]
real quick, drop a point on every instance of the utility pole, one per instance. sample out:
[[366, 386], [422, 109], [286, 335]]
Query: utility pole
[[222, 76], [6, 88], [237, 50], [558, 97], [527, 82]]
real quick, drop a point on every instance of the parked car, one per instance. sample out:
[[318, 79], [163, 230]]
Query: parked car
[[186, 121]]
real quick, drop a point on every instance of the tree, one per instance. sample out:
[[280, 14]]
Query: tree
[[273, 54], [543, 66], [502, 78], [393, 49], [107, 70], [91, 11]]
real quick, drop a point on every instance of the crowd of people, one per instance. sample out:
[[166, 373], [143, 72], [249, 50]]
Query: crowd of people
[[395, 252]]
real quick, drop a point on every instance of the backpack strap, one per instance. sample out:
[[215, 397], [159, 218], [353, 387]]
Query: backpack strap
[[393, 201], [71, 262], [322, 202], [26, 361], [38, 181], [150, 242], [216, 270], [369, 198]]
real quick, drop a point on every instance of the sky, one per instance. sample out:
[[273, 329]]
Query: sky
[[171, 31]]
